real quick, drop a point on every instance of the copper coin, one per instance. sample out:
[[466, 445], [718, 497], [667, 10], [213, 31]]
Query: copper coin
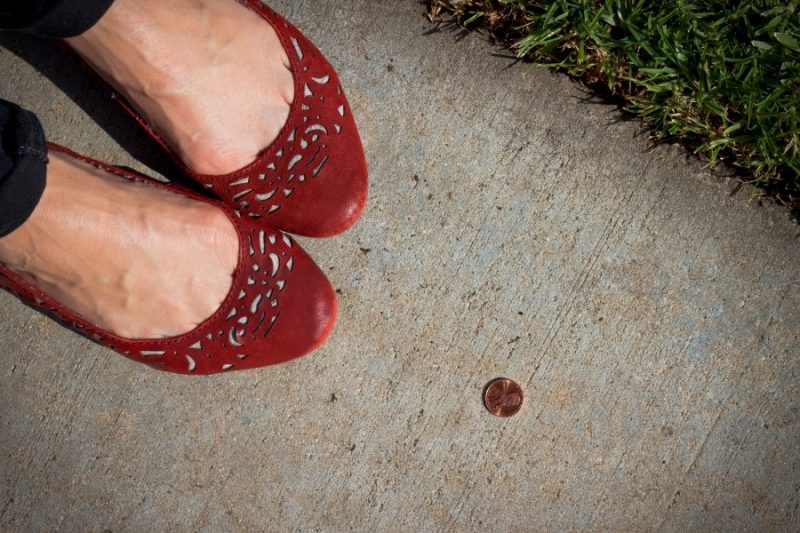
[[503, 397]]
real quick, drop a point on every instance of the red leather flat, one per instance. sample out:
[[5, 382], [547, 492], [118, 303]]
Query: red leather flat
[[312, 180], [280, 305]]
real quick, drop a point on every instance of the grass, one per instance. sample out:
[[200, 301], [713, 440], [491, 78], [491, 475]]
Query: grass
[[722, 76]]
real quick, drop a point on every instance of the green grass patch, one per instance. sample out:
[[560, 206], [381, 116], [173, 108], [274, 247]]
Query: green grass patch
[[721, 76]]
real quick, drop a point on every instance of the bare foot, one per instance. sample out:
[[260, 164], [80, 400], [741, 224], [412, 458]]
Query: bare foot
[[210, 76], [133, 259]]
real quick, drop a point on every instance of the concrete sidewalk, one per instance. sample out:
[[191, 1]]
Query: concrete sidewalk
[[515, 229]]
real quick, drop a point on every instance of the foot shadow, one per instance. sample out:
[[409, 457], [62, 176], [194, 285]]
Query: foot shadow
[[75, 80]]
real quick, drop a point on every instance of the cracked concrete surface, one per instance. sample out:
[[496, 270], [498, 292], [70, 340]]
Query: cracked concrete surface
[[515, 229]]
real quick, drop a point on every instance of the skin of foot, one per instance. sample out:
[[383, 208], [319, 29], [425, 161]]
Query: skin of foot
[[135, 260], [210, 76]]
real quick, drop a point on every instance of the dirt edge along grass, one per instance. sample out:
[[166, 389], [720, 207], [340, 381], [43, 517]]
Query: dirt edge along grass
[[722, 77]]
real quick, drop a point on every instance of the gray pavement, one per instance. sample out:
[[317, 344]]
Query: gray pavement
[[514, 229]]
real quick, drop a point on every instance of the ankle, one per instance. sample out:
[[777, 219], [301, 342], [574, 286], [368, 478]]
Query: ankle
[[11, 253]]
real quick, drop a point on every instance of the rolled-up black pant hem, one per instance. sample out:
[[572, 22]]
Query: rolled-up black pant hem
[[23, 152], [52, 18], [23, 165]]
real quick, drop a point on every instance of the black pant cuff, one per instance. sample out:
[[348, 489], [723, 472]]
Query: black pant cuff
[[65, 18], [21, 191], [23, 165]]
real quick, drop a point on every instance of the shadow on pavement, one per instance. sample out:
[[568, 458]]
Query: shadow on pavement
[[75, 79]]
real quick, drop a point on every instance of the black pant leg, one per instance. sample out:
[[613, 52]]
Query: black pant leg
[[52, 18], [23, 165], [23, 149]]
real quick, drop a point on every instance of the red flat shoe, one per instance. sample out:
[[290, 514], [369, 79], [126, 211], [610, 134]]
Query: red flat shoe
[[280, 305], [312, 179]]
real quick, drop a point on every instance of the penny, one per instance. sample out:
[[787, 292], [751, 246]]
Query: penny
[[503, 397]]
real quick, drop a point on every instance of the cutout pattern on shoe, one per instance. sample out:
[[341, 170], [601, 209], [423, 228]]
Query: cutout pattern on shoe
[[302, 156], [312, 180], [280, 305]]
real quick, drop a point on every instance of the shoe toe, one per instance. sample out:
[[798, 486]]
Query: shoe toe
[[292, 318], [307, 312], [336, 201]]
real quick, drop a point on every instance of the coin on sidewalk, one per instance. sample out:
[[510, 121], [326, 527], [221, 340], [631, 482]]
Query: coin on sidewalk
[[503, 397]]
